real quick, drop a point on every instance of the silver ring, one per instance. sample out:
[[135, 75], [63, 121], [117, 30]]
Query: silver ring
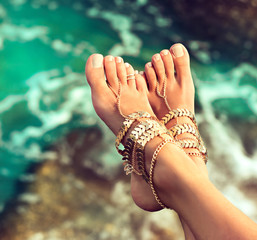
[[132, 74], [131, 78]]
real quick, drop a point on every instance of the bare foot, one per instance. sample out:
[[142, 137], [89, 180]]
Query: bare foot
[[172, 68], [170, 71], [133, 92], [133, 98]]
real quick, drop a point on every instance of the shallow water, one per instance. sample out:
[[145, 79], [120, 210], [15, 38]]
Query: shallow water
[[44, 96]]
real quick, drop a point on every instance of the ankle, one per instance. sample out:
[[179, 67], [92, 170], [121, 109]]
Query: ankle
[[164, 173], [173, 172]]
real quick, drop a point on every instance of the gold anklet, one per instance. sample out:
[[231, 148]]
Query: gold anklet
[[178, 113], [192, 143], [189, 143], [156, 130], [150, 124], [127, 152], [197, 155], [186, 113], [187, 128], [127, 124], [179, 129], [133, 154], [153, 162]]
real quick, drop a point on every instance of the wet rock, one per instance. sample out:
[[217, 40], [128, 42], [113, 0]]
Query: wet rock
[[229, 26]]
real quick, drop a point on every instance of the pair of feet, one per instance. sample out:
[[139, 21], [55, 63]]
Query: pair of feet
[[170, 69]]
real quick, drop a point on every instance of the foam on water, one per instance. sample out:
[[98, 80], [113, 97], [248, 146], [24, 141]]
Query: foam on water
[[123, 25], [226, 144], [20, 33]]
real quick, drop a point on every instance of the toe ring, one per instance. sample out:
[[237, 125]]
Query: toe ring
[[131, 77]]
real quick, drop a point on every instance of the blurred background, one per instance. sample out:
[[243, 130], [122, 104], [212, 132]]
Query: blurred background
[[60, 177]]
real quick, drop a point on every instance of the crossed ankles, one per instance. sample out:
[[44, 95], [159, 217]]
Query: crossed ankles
[[125, 92]]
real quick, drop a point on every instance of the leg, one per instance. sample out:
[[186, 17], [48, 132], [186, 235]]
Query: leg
[[172, 68], [177, 179], [133, 98]]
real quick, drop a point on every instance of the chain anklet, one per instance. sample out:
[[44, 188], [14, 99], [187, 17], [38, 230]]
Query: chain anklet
[[187, 128], [186, 113], [151, 171], [164, 93], [178, 113], [127, 153], [155, 131], [127, 124]]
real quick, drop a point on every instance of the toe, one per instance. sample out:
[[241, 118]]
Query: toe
[[95, 72], [159, 68], [130, 75], [150, 76], [110, 71], [168, 63], [141, 83], [121, 70], [181, 62]]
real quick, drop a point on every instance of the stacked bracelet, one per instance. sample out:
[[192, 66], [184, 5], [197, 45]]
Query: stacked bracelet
[[156, 130], [148, 127], [178, 113], [179, 129], [129, 146], [127, 124]]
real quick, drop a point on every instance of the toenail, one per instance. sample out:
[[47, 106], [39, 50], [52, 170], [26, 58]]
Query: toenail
[[165, 52], [97, 61], [118, 59], [149, 64], [109, 58], [141, 72], [177, 50], [157, 57], [127, 65], [136, 71]]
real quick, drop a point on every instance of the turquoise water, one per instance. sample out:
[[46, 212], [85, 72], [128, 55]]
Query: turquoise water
[[43, 93]]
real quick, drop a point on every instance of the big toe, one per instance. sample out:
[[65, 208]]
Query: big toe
[[95, 72], [181, 62]]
